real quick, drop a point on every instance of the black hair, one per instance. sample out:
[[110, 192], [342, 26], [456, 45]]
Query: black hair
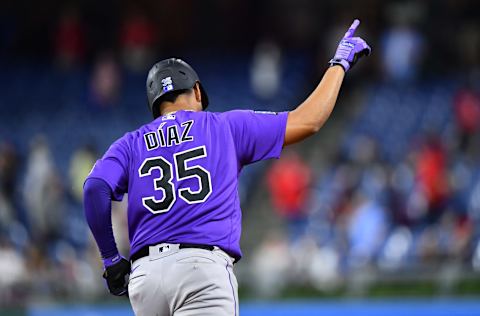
[[169, 97]]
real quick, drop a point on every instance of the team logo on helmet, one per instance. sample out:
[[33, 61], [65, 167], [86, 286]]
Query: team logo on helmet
[[167, 84]]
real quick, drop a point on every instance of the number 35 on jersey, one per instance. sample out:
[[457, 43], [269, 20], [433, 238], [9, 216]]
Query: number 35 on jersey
[[184, 168]]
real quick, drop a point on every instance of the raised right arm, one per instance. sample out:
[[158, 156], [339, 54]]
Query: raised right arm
[[310, 116]]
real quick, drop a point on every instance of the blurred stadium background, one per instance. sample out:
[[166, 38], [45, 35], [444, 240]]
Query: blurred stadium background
[[377, 214]]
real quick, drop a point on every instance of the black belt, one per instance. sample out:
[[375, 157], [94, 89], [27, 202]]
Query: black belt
[[145, 251]]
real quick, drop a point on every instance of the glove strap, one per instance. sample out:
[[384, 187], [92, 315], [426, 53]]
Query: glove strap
[[342, 62], [108, 262]]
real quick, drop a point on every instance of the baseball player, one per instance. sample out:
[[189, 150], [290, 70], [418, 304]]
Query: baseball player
[[181, 174]]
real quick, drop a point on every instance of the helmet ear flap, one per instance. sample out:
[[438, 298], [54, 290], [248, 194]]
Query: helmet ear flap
[[156, 108]]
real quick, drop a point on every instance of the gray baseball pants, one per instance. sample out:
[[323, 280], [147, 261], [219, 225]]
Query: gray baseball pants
[[183, 282]]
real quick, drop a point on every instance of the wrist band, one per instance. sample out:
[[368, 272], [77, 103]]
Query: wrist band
[[342, 62]]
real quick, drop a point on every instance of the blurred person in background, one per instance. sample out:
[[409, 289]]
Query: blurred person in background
[[328, 219], [137, 39], [271, 265], [367, 219], [460, 181], [8, 185], [43, 194], [81, 163], [70, 43], [74, 253], [266, 70], [288, 181], [367, 228], [14, 274], [431, 173], [401, 183], [105, 82], [466, 104], [402, 43]]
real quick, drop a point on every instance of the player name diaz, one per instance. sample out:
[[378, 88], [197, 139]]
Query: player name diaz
[[170, 136]]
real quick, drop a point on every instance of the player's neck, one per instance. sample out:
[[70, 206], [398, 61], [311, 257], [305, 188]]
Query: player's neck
[[170, 108]]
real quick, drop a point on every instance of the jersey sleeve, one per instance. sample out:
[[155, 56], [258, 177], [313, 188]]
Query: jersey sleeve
[[113, 168], [257, 135], [97, 197]]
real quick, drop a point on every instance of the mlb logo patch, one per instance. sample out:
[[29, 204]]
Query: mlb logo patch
[[167, 84], [168, 117]]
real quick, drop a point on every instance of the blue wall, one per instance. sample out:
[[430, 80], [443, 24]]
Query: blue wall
[[398, 307]]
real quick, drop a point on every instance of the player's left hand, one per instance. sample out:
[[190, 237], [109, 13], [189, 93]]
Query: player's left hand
[[350, 49], [116, 276]]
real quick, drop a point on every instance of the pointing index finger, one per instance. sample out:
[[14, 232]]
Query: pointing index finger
[[352, 28]]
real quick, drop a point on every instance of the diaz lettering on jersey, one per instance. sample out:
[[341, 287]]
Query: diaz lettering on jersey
[[169, 136]]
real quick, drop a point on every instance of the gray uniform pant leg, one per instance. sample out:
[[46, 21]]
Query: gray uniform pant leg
[[183, 282]]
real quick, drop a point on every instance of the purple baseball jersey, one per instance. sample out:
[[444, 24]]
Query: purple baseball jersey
[[181, 174]]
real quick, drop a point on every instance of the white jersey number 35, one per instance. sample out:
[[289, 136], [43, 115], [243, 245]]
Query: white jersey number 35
[[165, 184]]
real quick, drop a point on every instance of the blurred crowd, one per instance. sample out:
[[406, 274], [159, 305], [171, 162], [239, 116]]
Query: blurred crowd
[[397, 198], [363, 211], [416, 37], [400, 191], [44, 243]]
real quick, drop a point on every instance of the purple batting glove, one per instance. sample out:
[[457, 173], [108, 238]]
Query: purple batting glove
[[350, 49]]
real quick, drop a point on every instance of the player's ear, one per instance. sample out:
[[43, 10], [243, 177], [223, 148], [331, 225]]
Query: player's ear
[[198, 93]]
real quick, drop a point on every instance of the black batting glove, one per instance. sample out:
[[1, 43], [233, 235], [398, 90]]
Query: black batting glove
[[116, 277]]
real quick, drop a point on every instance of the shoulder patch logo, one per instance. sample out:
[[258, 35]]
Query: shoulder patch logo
[[266, 112]]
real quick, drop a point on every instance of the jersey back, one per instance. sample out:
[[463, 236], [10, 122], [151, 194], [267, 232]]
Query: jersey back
[[181, 174]]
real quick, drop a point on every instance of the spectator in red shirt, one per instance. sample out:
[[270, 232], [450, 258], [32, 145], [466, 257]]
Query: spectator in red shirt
[[288, 183], [432, 177], [137, 40], [467, 111], [70, 39]]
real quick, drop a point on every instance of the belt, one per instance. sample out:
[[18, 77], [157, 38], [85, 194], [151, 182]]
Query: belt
[[145, 251]]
